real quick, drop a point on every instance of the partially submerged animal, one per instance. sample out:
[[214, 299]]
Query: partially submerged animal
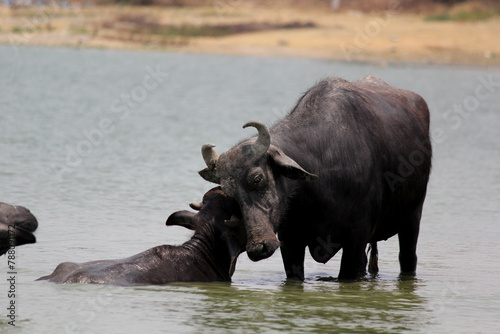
[[210, 254], [17, 225]]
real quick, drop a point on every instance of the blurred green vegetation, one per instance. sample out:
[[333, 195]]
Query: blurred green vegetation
[[469, 11]]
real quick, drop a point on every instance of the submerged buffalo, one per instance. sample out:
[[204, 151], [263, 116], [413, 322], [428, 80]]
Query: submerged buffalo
[[17, 225], [210, 255], [348, 166]]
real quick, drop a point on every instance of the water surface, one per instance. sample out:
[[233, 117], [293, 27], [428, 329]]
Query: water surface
[[102, 151]]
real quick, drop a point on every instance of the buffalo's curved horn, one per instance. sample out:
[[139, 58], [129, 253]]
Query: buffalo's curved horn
[[263, 141], [209, 155], [196, 206]]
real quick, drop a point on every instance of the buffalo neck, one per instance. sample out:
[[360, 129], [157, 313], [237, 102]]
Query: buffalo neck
[[207, 245]]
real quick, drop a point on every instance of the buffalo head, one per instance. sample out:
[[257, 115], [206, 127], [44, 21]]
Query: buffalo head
[[218, 215], [255, 173]]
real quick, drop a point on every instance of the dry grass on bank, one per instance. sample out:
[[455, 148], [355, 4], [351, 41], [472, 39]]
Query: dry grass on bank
[[268, 28]]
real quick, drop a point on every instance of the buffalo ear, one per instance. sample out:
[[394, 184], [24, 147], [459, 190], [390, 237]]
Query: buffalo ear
[[182, 218], [209, 175], [289, 168]]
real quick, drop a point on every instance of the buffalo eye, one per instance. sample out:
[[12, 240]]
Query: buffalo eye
[[256, 180]]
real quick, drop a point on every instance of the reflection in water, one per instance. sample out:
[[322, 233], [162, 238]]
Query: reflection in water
[[371, 305]]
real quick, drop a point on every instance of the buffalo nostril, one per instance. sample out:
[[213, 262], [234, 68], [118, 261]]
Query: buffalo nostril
[[269, 247], [262, 250], [256, 250]]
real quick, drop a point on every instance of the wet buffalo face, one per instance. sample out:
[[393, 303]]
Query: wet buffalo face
[[253, 173], [222, 213]]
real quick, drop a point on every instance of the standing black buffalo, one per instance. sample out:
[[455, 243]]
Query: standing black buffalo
[[17, 225], [348, 166], [210, 255]]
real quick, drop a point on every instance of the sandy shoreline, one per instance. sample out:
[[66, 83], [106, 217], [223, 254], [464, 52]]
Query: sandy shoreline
[[381, 38]]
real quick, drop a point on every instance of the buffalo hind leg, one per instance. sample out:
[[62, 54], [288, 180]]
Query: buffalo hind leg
[[408, 237], [373, 264]]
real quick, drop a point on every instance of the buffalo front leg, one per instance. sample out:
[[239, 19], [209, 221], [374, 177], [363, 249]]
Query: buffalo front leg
[[292, 253], [353, 262]]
